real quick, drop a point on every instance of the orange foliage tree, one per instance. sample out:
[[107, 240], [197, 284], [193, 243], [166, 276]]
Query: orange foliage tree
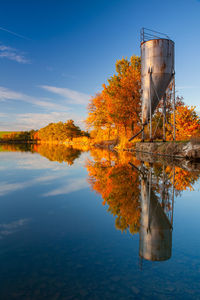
[[187, 123], [122, 94], [117, 108], [98, 118]]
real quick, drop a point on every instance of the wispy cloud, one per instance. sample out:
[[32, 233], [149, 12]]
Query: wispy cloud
[[14, 33], [12, 54], [74, 185], [34, 120], [71, 95], [2, 115], [28, 121], [38, 120], [50, 110], [7, 94], [58, 172], [12, 227], [11, 187], [38, 162], [69, 76]]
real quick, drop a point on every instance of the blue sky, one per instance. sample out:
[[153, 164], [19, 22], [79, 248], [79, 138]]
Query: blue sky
[[54, 55]]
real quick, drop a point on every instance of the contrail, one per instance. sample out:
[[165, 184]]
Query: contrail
[[14, 33]]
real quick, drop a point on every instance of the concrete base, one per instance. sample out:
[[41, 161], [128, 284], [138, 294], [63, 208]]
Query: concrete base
[[171, 149]]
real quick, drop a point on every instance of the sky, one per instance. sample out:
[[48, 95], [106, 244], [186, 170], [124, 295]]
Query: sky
[[55, 55]]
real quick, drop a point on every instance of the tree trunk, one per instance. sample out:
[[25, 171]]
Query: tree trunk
[[132, 127]]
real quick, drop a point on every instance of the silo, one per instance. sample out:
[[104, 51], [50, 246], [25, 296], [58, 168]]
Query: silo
[[155, 228], [157, 69]]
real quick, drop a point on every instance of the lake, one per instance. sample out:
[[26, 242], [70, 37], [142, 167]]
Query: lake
[[97, 225]]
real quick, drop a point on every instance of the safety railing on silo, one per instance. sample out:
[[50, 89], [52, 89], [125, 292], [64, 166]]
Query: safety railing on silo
[[149, 34]]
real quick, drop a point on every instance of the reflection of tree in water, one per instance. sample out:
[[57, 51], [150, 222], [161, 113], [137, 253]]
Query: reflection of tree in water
[[120, 185], [24, 147], [59, 153], [123, 197], [183, 179]]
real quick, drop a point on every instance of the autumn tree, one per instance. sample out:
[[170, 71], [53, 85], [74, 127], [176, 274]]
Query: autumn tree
[[98, 116], [187, 123], [60, 131], [97, 112], [122, 94], [116, 109]]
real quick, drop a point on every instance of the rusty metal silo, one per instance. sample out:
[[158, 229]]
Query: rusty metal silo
[[157, 70]]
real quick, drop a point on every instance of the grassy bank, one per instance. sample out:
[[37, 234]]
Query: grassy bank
[[2, 133]]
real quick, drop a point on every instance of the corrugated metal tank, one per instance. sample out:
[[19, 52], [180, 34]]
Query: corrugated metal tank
[[157, 56], [155, 228]]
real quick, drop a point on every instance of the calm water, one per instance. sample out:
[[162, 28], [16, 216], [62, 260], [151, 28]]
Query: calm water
[[80, 225]]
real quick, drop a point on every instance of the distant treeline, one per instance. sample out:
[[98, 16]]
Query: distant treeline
[[19, 136], [54, 132], [60, 132]]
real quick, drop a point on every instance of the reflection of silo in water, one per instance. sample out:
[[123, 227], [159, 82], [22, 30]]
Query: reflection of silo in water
[[157, 69], [155, 228]]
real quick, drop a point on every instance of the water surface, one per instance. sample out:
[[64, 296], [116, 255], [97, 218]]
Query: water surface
[[80, 225]]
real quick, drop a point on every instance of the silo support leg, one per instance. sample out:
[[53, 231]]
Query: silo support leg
[[164, 117], [136, 134], [150, 112], [174, 110], [142, 133]]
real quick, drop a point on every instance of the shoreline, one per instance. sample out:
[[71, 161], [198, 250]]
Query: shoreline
[[168, 150], [174, 150]]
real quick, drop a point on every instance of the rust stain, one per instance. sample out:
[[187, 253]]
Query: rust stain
[[163, 67]]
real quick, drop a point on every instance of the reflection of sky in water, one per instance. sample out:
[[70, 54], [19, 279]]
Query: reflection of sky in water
[[27, 170], [58, 242], [12, 227]]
